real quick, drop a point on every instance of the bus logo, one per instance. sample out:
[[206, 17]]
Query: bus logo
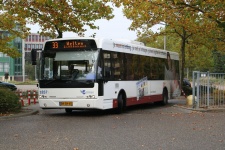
[[86, 92], [83, 91]]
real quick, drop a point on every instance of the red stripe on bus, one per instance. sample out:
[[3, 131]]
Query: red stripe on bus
[[133, 100]]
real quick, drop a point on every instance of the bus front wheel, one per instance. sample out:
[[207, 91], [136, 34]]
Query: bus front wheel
[[120, 102]]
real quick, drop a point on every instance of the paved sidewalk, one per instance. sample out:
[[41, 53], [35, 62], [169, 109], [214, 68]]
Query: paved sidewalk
[[181, 102]]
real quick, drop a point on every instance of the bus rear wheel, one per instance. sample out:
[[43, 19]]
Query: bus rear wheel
[[68, 110], [165, 98]]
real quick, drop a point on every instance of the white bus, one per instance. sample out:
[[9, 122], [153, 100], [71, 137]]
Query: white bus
[[89, 73]]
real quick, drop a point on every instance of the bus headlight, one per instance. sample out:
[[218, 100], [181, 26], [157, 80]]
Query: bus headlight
[[42, 96], [90, 96]]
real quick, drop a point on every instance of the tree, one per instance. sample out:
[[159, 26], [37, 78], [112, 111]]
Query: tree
[[11, 27], [194, 61], [56, 17], [213, 10], [30, 71], [185, 22], [219, 60]]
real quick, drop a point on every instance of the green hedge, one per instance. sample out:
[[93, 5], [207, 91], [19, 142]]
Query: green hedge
[[9, 101]]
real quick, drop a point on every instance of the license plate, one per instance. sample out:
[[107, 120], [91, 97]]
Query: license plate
[[65, 103]]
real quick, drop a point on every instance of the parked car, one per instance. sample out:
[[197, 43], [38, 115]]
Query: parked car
[[8, 85]]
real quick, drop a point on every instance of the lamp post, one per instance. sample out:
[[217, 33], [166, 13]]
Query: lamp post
[[23, 60]]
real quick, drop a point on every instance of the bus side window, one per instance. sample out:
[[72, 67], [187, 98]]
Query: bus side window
[[107, 65], [107, 72]]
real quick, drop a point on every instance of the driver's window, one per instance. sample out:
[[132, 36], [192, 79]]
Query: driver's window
[[79, 70], [48, 71], [64, 71]]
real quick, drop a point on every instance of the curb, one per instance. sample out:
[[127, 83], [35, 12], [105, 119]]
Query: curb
[[202, 109], [24, 112]]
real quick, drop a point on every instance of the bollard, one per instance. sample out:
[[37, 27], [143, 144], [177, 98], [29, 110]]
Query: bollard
[[28, 98], [34, 96], [21, 98], [184, 93]]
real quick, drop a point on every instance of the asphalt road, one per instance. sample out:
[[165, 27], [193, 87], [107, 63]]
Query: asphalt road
[[146, 127]]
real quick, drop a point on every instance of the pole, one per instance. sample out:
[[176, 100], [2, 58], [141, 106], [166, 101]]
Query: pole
[[23, 60], [164, 42]]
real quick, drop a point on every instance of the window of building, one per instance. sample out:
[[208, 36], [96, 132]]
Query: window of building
[[28, 46], [33, 37], [29, 38], [37, 46], [33, 46], [1, 67], [18, 66], [6, 67]]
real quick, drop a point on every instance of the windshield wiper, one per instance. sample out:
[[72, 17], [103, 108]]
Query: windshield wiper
[[89, 81], [50, 82]]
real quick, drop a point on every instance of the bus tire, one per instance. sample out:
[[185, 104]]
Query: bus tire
[[165, 98], [68, 110], [120, 102]]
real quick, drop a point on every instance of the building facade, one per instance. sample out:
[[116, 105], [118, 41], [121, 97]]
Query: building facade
[[15, 66], [33, 41], [12, 66]]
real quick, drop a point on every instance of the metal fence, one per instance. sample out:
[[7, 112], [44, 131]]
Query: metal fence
[[208, 90]]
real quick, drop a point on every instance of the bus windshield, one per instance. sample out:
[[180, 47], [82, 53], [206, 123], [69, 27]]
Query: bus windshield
[[74, 65]]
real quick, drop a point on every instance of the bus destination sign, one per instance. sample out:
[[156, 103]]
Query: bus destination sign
[[70, 45]]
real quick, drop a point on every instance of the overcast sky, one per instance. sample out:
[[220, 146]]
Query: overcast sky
[[116, 28]]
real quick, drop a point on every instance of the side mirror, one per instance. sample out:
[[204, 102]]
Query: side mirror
[[34, 55]]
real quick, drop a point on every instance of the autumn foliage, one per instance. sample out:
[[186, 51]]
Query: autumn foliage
[[56, 17], [196, 22], [53, 17]]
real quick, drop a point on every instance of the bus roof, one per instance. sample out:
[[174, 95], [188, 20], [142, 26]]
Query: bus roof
[[126, 46]]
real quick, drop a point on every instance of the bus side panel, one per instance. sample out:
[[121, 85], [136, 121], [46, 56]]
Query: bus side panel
[[112, 88], [153, 92]]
